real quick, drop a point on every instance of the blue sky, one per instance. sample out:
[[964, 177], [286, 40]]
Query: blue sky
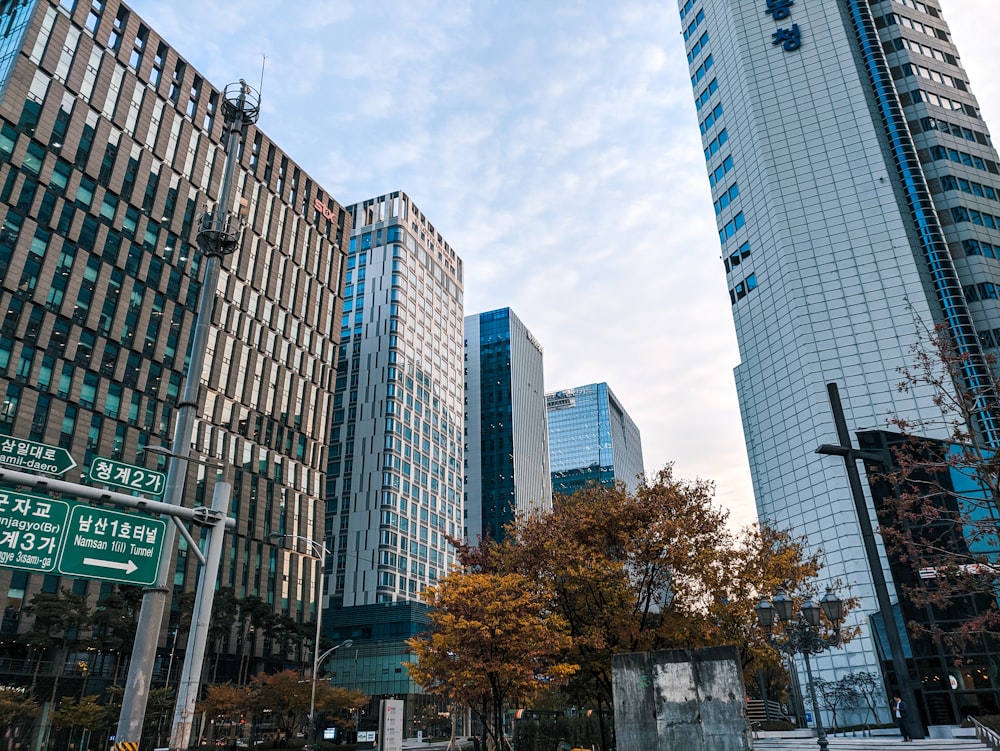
[[554, 144]]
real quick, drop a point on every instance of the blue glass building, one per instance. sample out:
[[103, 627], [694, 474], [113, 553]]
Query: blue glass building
[[592, 439], [507, 459]]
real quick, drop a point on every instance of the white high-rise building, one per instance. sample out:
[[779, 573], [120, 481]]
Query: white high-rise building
[[395, 475], [858, 204]]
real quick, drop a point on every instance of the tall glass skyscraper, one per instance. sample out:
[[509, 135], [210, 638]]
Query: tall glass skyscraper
[[856, 190], [592, 439], [395, 475], [507, 457]]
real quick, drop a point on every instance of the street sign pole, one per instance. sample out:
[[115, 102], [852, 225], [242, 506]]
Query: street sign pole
[[194, 656]]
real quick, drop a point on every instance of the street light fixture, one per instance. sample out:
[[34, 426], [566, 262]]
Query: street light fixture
[[850, 455], [800, 634], [319, 552]]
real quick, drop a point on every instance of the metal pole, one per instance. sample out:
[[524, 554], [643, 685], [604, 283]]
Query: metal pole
[[319, 552], [821, 740], [216, 239], [194, 655], [319, 620], [850, 456]]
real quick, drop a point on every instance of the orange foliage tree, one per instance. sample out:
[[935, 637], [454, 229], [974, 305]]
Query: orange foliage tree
[[653, 569], [287, 697], [494, 639]]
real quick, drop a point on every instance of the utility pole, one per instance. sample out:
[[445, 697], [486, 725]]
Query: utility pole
[[879, 583], [218, 236]]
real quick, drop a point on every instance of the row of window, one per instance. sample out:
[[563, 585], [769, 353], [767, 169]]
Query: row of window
[[979, 218], [907, 70], [702, 70], [737, 257], [689, 31], [686, 8], [903, 43], [953, 129], [930, 10], [981, 291], [137, 52], [893, 19], [711, 119], [939, 153], [706, 94], [975, 247], [726, 198], [721, 171], [730, 228], [990, 339], [716, 143], [907, 98], [743, 288], [697, 47], [950, 182]]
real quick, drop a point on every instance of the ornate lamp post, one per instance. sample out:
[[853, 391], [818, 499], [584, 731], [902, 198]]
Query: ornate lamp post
[[800, 634]]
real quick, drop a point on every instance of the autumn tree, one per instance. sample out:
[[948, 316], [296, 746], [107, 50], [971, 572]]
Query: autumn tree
[[85, 715], [288, 698], [225, 703], [760, 560], [17, 709], [494, 639], [654, 569], [628, 571], [940, 516]]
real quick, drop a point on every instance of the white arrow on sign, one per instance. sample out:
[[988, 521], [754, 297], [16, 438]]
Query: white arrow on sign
[[127, 566]]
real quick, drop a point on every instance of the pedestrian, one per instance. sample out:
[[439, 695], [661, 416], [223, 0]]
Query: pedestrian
[[899, 712]]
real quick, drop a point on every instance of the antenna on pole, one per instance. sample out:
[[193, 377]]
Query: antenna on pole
[[263, 62]]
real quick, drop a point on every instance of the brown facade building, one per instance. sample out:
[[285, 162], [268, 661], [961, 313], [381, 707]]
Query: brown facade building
[[111, 147]]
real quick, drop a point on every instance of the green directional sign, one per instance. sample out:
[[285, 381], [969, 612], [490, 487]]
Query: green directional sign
[[119, 474], [35, 457], [31, 528], [99, 543]]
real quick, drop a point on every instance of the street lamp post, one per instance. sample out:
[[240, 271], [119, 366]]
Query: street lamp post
[[319, 553], [850, 456], [800, 634]]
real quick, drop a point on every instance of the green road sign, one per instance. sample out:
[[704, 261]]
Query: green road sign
[[31, 528], [40, 457], [119, 474], [99, 543]]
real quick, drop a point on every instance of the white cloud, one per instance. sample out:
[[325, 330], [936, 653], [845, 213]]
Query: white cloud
[[555, 145]]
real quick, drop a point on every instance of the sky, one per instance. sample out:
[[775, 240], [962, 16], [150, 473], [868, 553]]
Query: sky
[[554, 145]]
